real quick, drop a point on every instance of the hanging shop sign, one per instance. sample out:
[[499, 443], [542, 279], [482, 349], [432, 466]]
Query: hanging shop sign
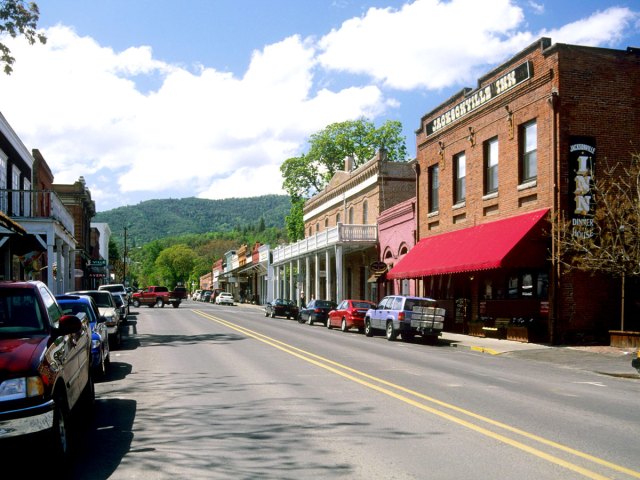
[[480, 97], [582, 158]]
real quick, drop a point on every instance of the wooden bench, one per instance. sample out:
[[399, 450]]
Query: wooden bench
[[498, 329]]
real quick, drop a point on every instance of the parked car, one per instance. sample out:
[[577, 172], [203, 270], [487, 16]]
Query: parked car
[[159, 296], [316, 311], [635, 363], [281, 307], [109, 310], [196, 295], [123, 306], [349, 314], [45, 361], [117, 288], [205, 295], [407, 316], [85, 305], [224, 298]]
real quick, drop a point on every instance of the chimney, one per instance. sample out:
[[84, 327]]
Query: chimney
[[348, 163]]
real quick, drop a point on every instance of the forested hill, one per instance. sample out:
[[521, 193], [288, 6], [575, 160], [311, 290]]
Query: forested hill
[[156, 219]]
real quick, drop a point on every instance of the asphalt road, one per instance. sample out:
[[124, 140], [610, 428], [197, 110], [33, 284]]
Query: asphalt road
[[206, 391]]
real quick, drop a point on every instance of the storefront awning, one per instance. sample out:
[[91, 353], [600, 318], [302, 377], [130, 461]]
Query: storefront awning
[[512, 242]]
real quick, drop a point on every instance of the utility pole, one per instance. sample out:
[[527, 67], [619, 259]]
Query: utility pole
[[124, 262]]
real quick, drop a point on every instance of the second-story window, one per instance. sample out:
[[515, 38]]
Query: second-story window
[[338, 219], [460, 172], [365, 212], [491, 166], [529, 152], [317, 227], [3, 181], [434, 188], [326, 223], [351, 219]]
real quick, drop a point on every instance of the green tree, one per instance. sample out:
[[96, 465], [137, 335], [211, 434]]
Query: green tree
[[309, 173], [18, 18], [175, 264]]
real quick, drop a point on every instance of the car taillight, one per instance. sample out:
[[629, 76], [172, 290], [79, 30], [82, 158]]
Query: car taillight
[[318, 310], [401, 316]]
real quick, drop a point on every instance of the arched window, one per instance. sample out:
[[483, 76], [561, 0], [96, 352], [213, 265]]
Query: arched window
[[337, 218], [310, 231], [365, 212], [317, 227], [326, 223], [351, 221]]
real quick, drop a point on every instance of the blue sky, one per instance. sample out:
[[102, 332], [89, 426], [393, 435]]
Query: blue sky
[[155, 98]]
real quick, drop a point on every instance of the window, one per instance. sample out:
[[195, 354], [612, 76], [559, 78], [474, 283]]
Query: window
[[15, 185], [337, 218], [317, 227], [326, 223], [310, 231], [460, 187], [434, 187], [365, 213], [529, 152], [351, 222], [491, 166]]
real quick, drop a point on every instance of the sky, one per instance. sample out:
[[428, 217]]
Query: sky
[[151, 99]]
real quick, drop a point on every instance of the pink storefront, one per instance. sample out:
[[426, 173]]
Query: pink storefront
[[396, 236]]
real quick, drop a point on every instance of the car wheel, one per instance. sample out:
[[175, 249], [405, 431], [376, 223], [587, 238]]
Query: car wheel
[[300, 320], [343, 325], [136, 303], [159, 303], [367, 328], [392, 334], [266, 314], [102, 368], [59, 432]]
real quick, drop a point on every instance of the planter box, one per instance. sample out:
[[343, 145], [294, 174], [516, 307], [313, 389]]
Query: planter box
[[475, 329], [520, 334], [624, 339]]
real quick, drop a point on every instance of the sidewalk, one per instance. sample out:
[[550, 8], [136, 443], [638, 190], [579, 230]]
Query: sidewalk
[[600, 359]]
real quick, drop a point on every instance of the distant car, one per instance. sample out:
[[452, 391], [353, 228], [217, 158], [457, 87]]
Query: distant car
[[117, 288], [316, 311], [77, 304], [123, 306], [281, 308], [224, 298], [349, 314], [45, 369], [205, 295], [196, 295], [108, 309]]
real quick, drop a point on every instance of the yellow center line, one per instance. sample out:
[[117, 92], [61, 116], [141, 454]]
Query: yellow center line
[[365, 379]]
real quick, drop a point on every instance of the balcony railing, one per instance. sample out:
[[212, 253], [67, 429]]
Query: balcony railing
[[341, 234], [29, 204]]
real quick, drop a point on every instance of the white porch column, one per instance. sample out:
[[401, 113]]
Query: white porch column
[[327, 257], [339, 274], [307, 279], [298, 277], [68, 271], [291, 295], [277, 282], [316, 287], [59, 268]]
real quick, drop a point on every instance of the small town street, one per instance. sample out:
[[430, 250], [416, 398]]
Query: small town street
[[206, 391]]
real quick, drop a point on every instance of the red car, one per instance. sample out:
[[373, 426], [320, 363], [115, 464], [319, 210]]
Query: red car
[[350, 313]]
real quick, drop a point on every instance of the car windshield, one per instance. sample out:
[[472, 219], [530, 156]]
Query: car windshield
[[19, 313]]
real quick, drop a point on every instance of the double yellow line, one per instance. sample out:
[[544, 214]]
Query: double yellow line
[[427, 403]]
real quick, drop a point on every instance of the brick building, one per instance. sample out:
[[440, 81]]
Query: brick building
[[496, 163], [341, 238]]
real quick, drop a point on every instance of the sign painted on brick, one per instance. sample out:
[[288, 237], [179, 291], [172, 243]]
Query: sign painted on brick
[[582, 157], [480, 97]]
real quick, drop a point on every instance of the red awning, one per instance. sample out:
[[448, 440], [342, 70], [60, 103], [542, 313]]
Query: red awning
[[512, 242]]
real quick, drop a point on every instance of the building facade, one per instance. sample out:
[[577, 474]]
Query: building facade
[[497, 164], [341, 236]]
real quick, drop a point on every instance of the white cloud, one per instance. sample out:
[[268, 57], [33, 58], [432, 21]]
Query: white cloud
[[431, 44], [137, 127], [203, 132]]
